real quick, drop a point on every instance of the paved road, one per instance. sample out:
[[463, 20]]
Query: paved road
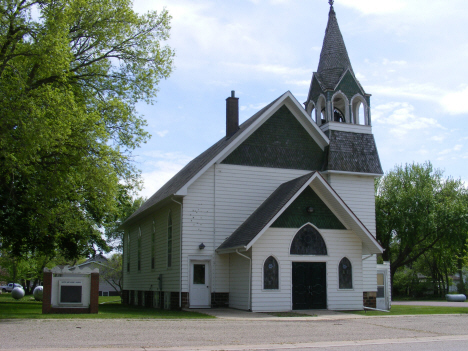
[[224, 334]]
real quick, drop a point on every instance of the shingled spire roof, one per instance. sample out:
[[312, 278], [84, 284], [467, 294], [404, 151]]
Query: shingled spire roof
[[334, 59]]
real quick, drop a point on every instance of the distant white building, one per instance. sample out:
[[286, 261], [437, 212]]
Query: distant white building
[[100, 262], [278, 215]]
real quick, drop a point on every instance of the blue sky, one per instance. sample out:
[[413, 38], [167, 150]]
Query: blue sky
[[410, 55]]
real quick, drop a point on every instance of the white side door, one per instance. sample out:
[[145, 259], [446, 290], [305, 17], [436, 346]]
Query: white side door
[[382, 290], [200, 289]]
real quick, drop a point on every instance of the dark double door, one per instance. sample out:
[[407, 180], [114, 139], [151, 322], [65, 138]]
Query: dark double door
[[309, 285]]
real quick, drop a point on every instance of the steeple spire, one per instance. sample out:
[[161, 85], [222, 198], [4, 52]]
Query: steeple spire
[[334, 59]]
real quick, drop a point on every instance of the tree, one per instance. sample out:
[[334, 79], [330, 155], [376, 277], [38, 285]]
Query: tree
[[113, 232], [112, 272], [28, 270], [71, 72], [417, 210]]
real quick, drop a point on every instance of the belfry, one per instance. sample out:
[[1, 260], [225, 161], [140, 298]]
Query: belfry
[[335, 94]]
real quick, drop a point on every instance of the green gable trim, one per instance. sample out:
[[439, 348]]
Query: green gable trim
[[296, 215], [349, 86], [281, 142], [315, 90]]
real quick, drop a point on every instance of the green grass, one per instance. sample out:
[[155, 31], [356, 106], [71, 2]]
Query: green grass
[[398, 310], [109, 308]]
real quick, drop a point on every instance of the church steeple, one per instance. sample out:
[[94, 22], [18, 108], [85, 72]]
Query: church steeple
[[334, 59], [335, 95]]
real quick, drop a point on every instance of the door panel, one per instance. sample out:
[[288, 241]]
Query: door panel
[[309, 289], [200, 292]]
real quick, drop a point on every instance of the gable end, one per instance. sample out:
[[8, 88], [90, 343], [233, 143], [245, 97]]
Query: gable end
[[281, 142], [296, 215]]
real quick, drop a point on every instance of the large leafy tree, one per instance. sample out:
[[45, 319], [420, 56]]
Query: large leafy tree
[[420, 213], [71, 72]]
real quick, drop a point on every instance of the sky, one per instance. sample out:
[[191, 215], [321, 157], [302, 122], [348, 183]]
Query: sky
[[410, 55]]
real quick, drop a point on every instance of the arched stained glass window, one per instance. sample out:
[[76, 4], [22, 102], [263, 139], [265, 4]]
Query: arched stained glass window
[[345, 274], [308, 241], [153, 237], [169, 240], [128, 252], [270, 273], [139, 248]]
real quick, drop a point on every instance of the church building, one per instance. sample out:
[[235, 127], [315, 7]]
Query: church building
[[278, 215]]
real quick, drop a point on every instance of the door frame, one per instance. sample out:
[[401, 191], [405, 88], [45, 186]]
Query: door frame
[[385, 289], [325, 286], [208, 276]]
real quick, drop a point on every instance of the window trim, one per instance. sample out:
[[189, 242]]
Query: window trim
[[339, 275], [277, 272], [308, 255]]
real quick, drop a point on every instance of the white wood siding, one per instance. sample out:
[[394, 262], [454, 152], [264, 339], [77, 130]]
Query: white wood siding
[[198, 225], [276, 242], [216, 204], [146, 279], [239, 281], [358, 193], [369, 273]]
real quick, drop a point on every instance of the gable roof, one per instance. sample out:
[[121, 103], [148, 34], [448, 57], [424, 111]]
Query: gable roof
[[265, 215], [197, 166]]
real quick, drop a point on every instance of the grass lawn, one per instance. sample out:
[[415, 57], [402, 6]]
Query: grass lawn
[[109, 307], [398, 310]]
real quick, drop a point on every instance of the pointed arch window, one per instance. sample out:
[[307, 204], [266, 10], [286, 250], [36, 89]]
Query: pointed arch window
[[128, 252], [153, 239], [139, 248], [169, 240], [345, 274], [270, 274], [308, 241]]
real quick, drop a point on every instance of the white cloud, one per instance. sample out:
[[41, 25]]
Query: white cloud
[[413, 90], [456, 148], [162, 133], [368, 7], [386, 62], [438, 138], [163, 167], [455, 102], [258, 106], [400, 116]]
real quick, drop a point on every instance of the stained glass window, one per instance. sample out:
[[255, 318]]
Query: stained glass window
[[139, 248], [169, 240], [153, 237], [345, 274], [308, 241], [270, 273]]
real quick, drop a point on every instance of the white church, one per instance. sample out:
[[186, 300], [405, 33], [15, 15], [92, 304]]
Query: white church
[[278, 215]]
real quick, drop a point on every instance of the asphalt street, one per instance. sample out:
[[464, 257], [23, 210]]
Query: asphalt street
[[431, 332]]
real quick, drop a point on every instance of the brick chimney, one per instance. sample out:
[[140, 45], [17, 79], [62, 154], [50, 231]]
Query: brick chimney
[[232, 114]]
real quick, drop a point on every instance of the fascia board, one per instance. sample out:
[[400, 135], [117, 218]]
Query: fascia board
[[230, 250], [358, 174], [280, 212], [352, 221], [273, 108]]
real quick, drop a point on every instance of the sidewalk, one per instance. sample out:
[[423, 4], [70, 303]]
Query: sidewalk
[[233, 314]]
